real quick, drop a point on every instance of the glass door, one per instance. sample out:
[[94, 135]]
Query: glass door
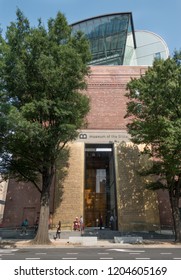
[[99, 192]]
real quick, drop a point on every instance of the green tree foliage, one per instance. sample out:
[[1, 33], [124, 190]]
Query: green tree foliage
[[43, 72], [154, 110]]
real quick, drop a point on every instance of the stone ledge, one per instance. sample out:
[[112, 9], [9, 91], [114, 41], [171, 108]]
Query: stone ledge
[[128, 239], [83, 240]]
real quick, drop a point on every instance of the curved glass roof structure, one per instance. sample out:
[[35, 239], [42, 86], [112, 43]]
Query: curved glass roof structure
[[108, 37], [113, 41]]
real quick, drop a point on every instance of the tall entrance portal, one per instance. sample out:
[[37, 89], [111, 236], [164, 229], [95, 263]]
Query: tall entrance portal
[[99, 191]]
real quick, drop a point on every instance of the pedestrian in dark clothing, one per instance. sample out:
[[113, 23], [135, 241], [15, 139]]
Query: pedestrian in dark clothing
[[101, 222], [24, 227], [111, 222], [36, 225], [58, 231]]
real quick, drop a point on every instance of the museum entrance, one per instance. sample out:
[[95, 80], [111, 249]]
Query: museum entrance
[[99, 191]]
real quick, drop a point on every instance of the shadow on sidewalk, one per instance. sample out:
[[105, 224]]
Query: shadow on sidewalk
[[110, 234], [104, 234]]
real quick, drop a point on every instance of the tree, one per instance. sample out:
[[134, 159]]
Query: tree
[[43, 75], [154, 109]]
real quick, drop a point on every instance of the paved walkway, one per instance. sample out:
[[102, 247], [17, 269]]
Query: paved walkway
[[105, 238]]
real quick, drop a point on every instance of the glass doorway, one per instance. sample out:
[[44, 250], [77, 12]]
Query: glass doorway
[[99, 191]]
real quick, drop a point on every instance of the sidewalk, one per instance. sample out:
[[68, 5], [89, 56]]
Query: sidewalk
[[103, 244], [104, 238]]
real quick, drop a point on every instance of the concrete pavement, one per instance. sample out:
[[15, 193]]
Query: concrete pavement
[[93, 237]]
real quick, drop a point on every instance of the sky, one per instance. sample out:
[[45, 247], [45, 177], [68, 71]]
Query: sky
[[162, 17]]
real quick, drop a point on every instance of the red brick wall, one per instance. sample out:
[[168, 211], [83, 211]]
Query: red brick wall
[[106, 89], [22, 201]]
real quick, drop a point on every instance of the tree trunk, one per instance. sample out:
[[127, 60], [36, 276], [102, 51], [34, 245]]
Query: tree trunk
[[42, 236], [174, 200]]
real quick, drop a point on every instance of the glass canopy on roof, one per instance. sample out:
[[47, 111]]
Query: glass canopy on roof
[[108, 37]]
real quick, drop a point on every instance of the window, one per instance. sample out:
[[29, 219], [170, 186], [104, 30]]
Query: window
[[158, 55]]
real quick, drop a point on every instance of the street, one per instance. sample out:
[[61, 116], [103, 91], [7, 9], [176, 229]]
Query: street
[[91, 254]]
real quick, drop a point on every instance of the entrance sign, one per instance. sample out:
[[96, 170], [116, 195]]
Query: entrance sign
[[103, 136]]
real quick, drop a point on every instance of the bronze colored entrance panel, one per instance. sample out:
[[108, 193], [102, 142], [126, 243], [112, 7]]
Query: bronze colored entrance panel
[[99, 192]]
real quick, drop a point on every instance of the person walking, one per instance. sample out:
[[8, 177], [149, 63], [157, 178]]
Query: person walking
[[24, 227], [58, 231], [36, 225], [101, 222], [81, 221], [111, 222]]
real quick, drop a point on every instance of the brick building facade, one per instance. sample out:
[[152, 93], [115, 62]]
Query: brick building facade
[[102, 149], [102, 178]]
